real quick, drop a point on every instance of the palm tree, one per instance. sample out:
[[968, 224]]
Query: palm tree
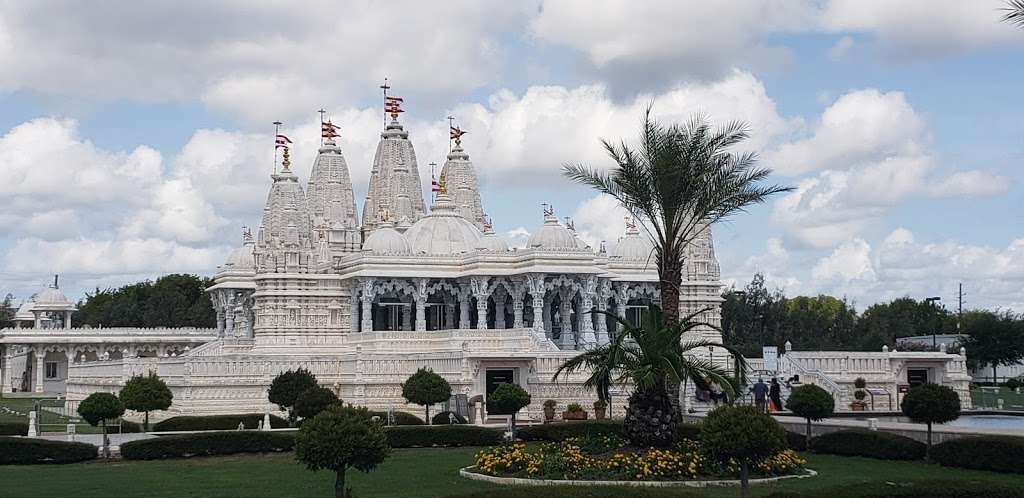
[[681, 180], [1014, 12], [652, 356]]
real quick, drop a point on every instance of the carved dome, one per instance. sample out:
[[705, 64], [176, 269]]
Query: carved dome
[[242, 258], [386, 240], [491, 242], [633, 246], [553, 235], [444, 231], [24, 312], [51, 296]]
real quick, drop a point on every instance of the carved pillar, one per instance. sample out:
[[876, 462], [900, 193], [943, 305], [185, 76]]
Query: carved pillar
[[421, 304], [479, 288], [586, 318], [535, 285], [464, 311], [406, 316], [40, 356], [367, 300], [568, 338], [220, 319], [499, 307], [5, 371], [38, 320], [602, 320], [67, 319], [517, 305]]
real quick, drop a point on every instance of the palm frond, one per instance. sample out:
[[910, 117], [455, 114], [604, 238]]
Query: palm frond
[[1014, 12]]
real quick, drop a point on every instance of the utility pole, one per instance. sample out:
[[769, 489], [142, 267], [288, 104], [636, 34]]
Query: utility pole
[[960, 306]]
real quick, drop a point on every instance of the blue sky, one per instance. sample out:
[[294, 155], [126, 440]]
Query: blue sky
[[142, 150]]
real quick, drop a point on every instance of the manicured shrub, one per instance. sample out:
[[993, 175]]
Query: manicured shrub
[[508, 399], [442, 435], [338, 438], [313, 401], [25, 451], [401, 418], [812, 403], [796, 441], [560, 431], [97, 409], [741, 434], [1013, 383], [931, 404], [687, 431], [871, 444], [444, 419], [129, 427], [906, 489], [286, 388], [995, 453], [145, 394], [14, 429], [213, 443], [216, 422], [426, 388]]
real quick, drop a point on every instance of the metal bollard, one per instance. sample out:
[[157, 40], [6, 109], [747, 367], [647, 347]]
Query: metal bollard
[[71, 432], [873, 424]]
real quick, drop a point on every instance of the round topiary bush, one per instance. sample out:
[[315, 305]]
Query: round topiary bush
[[97, 409], [742, 434], [508, 399], [426, 388], [286, 388], [931, 404], [812, 403], [313, 401]]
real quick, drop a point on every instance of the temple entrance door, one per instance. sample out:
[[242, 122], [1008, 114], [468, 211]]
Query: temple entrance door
[[917, 376]]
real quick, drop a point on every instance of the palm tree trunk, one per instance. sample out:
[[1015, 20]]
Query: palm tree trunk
[[339, 484], [928, 449], [671, 272], [145, 423]]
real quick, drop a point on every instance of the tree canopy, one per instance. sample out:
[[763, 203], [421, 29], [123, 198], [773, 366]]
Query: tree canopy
[[426, 388], [994, 338], [812, 403], [145, 394], [174, 300], [508, 399], [931, 404], [338, 438], [286, 388], [313, 401], [743, 434]]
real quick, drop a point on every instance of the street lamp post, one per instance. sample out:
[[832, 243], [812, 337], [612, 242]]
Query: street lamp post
[[932, 301]]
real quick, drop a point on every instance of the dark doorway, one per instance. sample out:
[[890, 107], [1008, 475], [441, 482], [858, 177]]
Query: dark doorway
[[917, 376], [495, 378]]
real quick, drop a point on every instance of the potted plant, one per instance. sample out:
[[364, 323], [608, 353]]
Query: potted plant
[[599, 409], [574, 412], [549, 410], [859, 394]]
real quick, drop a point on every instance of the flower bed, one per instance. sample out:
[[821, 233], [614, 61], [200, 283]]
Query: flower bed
[[607, 458]]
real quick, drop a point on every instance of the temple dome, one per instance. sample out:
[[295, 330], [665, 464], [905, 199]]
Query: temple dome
[[51, 296], [242, 257], [443, 231], [386, 240], [553, 235], [491, 242], [24, 312], [633, 246]]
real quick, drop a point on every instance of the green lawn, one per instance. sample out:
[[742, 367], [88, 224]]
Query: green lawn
[[53, 421], [1011, 400], [408, 473]]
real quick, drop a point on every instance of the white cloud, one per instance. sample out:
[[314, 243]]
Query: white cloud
[[600, 218], [111, 257], [971, 183], [839, 50], [849, 262]]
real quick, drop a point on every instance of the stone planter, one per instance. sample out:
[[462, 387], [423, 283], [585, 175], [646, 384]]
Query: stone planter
[[549, 415], [581, 415], [599, 411], [859, 406]]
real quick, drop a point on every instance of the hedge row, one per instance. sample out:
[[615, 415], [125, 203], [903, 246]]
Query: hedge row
[[401, 418], [871, 444], [559, 431], [995, 453], [23, 451], [216, 422], [213, 443], [443, 435], [14, 429], [907, 489]]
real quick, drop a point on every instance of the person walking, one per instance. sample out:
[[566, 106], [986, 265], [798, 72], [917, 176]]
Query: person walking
[[760, 391], [775, 395]]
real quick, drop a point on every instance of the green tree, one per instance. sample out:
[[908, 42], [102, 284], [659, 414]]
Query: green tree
[[145, 394], [993, 339], [649, 357], [426, 388], [812, 403], [754, 317], [7, 312], [931, 404], [882, 323], [338, 438], [286, 388], [313, 401], [98, 408], [171, 301], [507, 399], [743, 434]]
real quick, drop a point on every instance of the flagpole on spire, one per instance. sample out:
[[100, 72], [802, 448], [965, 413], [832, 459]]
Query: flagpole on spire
[[277, 131], [434, 186], [322, 112], [385, 88], [451, 120]]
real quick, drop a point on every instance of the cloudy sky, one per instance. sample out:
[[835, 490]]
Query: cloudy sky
[[135, 137]]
